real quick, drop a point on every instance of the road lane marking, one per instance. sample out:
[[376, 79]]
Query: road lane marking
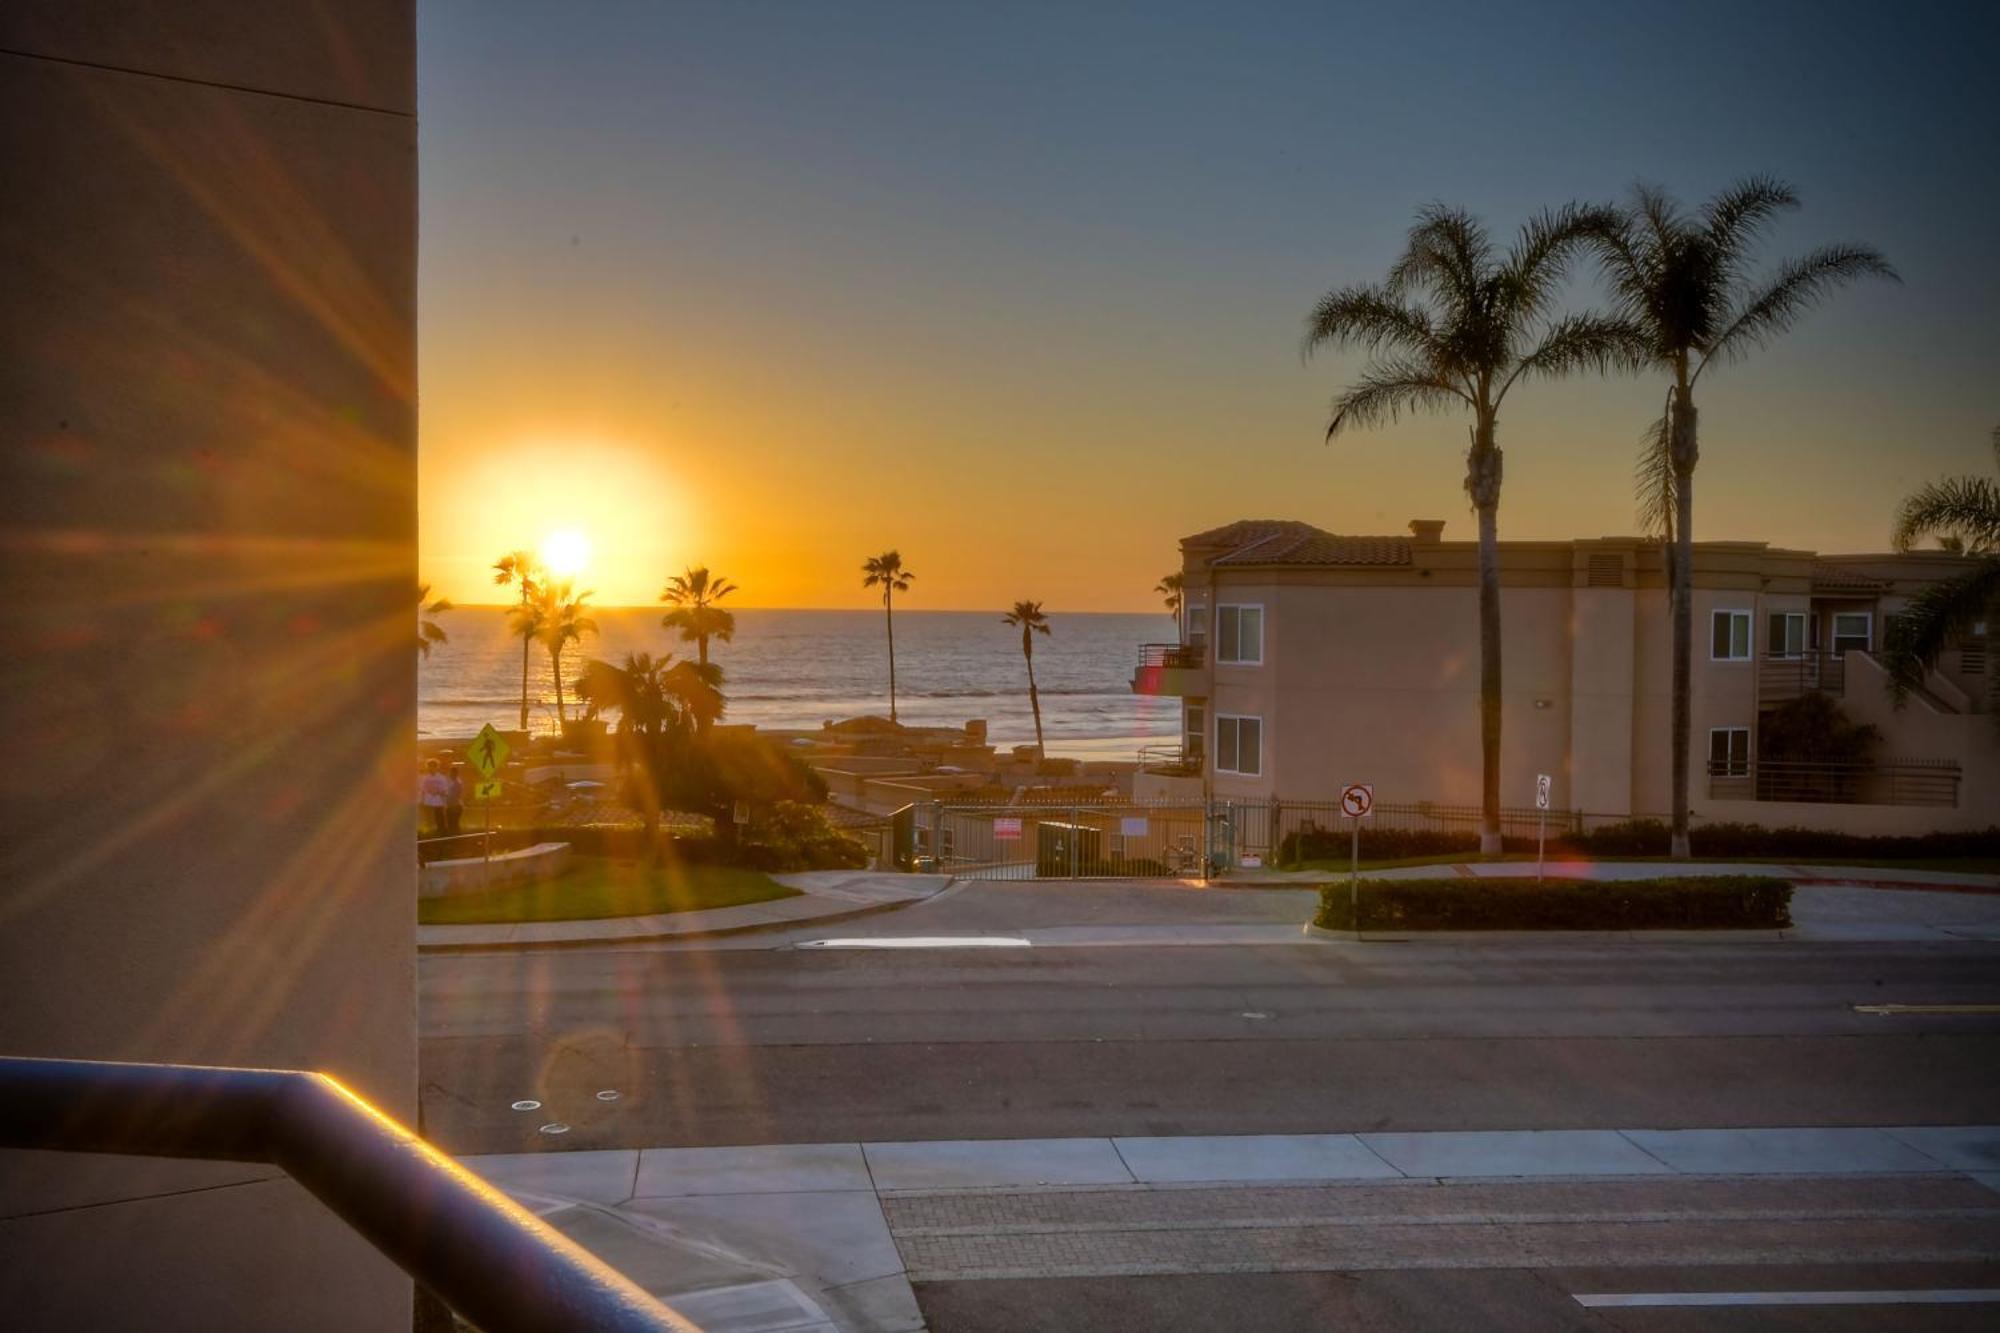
[[1927, 1008], [920, 942], [1968, 1296]]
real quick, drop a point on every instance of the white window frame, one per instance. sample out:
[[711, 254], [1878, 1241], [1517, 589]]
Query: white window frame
[[1776, 649], [1729, 763], [1237, 748], [1736, 616], [1833, 634], [1237, 646]]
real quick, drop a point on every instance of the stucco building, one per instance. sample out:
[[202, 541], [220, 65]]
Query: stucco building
[[1309, 660]]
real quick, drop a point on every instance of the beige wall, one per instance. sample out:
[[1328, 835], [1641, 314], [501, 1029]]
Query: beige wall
[[207, 395]]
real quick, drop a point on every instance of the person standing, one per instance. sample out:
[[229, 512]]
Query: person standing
[[432, 793], [454, 800]]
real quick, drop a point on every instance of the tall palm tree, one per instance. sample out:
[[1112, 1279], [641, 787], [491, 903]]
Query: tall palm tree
[[693, 596], [1455, 326], [1966, 509], [1682, 279], [564, 619], [1028, 615], [659, 702], [521, 569], [429, 632], [1173, 590], [885, 571]]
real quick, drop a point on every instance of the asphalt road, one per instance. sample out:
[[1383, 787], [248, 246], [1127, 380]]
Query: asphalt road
[[755, 1045]]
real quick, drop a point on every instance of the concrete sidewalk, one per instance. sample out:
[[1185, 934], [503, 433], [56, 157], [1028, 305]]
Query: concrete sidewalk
[[824, 896], [828, 1236]]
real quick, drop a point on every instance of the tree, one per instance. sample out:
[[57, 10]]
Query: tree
[[1682, 279], [522, 570], [1967, 509], [562, 618], [695, 614], [1810, 750], [885, 571], [1028, 615], [1456, 326], [1173, 590], [429, 632], [661, 706]]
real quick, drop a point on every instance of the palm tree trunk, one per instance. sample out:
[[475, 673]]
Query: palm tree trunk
[[526, 644], [1035, 702], [1682, 443], [1482, 482], [555, 662], [890, 615]]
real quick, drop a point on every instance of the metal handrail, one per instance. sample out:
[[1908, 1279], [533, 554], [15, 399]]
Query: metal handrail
[[1178, 656], [479, 1252]]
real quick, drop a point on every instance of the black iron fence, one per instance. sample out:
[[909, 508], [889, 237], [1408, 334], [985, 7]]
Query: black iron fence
[[490, 1260], [1173, 656]]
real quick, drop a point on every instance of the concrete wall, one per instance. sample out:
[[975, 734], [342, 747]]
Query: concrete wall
[[207, 397]]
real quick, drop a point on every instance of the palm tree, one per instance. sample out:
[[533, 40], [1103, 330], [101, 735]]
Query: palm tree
[[523, 570], [693, 596], [659, 701], [563, 619], [429, 632], [1966, 509], [885, 571], [1172, 590], [1456, 326], [1028, 615], [1682, 280]]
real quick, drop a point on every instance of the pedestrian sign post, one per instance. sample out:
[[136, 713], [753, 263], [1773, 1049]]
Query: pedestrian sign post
[[1357, 802], [487, 752], [1542, 785]]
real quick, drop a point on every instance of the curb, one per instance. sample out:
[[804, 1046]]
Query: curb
[[599, 941]]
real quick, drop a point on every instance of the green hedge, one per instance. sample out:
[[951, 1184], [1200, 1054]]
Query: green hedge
[[1715, 902], [1648, 837]]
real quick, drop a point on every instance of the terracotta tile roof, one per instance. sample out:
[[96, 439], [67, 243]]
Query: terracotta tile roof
[[1839, 578], [1246, 530], [1319, 548]]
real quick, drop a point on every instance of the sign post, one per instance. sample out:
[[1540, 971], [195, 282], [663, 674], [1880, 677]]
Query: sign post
[[1542, 810], [1357, 802], [487, 752]]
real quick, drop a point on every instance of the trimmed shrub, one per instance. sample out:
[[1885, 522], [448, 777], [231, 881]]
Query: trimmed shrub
[[1313, 843], [1649, 837], [1717, 902]]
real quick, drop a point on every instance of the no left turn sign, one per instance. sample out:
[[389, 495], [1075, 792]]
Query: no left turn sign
[[1357, 800]]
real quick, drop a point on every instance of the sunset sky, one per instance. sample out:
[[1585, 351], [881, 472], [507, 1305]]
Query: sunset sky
[[1018, 290]]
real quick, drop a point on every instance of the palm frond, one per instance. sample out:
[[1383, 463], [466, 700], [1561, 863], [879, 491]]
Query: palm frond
[[1448, 253], [1798, 286], [1532, 276], [1733, 218], [1938, 611], [1583, 342], [1389, 388], [1653, 480], [1966, 507], [1367, 316]]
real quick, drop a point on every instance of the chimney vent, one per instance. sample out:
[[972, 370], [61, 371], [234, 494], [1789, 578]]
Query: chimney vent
[[1427, 531]]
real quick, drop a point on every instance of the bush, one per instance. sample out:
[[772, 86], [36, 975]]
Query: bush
[[1649, 837], [1720, 902], [1313, 843]]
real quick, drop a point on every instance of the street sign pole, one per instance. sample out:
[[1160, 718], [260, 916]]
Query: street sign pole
[[1357, 802], [1542, 785]]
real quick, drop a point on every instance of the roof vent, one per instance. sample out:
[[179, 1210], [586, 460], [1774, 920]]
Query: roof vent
[[1607, 571], [1427, 530]]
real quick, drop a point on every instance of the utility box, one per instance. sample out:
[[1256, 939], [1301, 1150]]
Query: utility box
[[1067, 849]]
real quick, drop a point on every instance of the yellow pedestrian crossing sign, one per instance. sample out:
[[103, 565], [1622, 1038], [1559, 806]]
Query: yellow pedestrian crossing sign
[[488, 751], [486, 790]]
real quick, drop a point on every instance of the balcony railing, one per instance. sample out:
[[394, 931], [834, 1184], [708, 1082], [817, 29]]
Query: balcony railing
[[486, 1257], [1781, 679], [1173, 656], [1899, 782], [1170, 761]]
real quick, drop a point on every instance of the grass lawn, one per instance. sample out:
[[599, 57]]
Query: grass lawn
[[595, 887], [1971, 864]]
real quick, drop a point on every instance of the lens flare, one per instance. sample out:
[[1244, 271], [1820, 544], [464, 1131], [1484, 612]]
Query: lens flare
[[565, 552]]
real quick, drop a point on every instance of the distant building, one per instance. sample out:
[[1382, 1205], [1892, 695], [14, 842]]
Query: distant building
[[1308, 660]]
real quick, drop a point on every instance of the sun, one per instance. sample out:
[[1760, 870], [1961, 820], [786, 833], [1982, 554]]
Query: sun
[[565, 552]]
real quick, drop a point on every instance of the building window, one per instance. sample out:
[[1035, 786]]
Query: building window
[[1239, 745], [1239, 635], [1788, 634], [1851, 631], [1729, 752], [1194, 730], [1729, 637]]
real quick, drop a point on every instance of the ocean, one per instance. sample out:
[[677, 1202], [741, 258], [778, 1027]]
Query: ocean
[[802, 668]]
